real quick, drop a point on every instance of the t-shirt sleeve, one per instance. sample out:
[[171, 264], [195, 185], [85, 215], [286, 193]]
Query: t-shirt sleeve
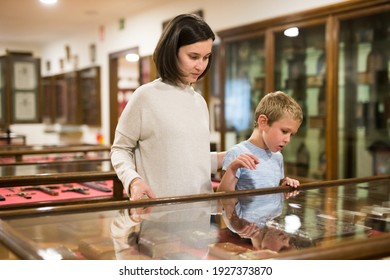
[[230, 156]]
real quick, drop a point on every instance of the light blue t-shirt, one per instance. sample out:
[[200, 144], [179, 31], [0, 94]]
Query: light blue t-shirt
[[268, 173]]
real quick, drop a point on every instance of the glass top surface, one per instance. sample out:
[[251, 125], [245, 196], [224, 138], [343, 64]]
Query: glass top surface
[[236, 227]]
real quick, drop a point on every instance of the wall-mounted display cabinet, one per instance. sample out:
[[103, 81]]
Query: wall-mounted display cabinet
[[336, 66], [89, 85], [72, 98], [19, 89]]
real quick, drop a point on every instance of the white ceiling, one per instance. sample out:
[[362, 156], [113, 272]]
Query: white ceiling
[[28, 21]]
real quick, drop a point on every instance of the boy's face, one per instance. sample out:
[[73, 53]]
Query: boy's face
[[278, 135]]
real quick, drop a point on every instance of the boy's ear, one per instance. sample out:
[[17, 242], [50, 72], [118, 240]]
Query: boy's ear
[[262, 121]]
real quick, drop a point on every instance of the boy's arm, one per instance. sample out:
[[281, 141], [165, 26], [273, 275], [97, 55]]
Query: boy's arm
[[229, 179]]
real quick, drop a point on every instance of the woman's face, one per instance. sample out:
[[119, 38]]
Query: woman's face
[[193, 59]]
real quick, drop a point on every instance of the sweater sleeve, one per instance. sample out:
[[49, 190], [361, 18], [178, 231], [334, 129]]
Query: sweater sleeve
[[214, 162], [125, 142]]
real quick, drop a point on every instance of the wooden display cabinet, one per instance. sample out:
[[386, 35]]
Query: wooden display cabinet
[[19, 89], [2, 93], [48, 100], [63, 184], [73, 98], [336, 68], [89, 86]]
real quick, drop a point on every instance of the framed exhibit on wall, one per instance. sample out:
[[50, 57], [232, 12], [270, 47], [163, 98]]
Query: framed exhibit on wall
[[24, 71]]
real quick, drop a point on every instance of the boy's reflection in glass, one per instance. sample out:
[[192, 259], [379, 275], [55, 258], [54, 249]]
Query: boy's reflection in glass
[[164, 232], [251, 216]]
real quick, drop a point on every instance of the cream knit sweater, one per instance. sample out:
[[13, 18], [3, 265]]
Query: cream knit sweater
[[163, 137]]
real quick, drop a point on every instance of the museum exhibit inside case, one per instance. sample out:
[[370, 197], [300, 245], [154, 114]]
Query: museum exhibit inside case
[[48, 175], [338, 219]]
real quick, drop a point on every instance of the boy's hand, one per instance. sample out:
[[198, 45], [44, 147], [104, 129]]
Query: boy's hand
[[244, 161], [290, 182]]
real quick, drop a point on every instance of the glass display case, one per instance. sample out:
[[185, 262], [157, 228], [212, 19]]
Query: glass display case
[[24, 172], [48, 102], [336, 65], [8, 139], [89, 79], [300, 72], [244, 86], [2, 92], [364, 93], [68, 99], [72, 98], [19, 89], [342, 219], [54, 184], [24, 71]]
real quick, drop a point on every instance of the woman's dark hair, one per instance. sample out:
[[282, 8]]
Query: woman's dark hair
[[183, 30]]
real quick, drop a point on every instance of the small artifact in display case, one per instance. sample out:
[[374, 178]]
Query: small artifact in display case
[[198, 239], [156, 243], [180, 256], [258, 255], [227, 250], [353, 217], [61, 252], [377, 210], [97, 248], [378, 218], [314, 81]]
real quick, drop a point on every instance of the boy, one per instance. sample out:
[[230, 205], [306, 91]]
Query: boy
[[257, 162]]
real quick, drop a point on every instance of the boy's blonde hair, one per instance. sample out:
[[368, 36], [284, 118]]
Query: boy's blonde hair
[[276, 105]]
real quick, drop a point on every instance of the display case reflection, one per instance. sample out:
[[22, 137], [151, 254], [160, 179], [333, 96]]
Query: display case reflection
[[174, 232]]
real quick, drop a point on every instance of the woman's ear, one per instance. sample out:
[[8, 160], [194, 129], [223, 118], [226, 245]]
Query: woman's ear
[[262, 121]]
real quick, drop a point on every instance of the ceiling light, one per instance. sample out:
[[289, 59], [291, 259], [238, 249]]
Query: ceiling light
[[291, 32], [132, 57], [48, 2]]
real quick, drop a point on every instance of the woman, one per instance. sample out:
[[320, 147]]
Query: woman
[[162, 140]]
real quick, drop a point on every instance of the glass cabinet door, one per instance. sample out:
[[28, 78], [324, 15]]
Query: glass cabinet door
[[2, 92], [300, 72], [244, 87], [364, 95]]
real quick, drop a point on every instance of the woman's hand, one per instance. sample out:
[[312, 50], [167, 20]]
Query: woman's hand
[[140, 190]]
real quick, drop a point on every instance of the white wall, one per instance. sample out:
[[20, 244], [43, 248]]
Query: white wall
[[143, 31]]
